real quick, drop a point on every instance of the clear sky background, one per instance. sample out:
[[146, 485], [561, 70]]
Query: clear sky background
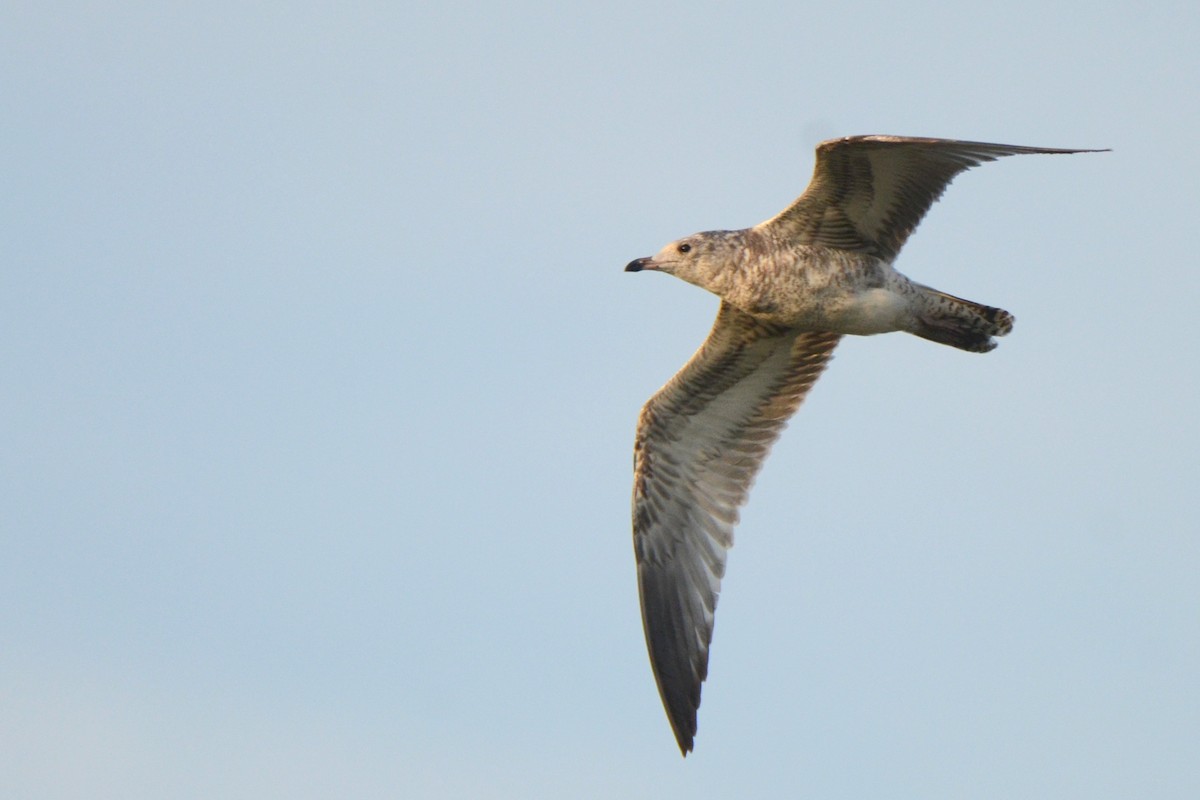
[[319, 374]]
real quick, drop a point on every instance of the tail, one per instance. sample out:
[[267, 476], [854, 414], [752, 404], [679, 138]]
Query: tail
[[960, 323]]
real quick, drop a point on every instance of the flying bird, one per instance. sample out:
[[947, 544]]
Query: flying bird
[[790, 288]]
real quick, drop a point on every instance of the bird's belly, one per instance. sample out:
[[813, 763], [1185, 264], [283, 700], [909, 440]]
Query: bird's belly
[[861, 312], [869, 311], [828, 290]]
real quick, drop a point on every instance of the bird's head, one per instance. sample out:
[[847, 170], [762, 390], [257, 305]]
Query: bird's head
[[699, 259]]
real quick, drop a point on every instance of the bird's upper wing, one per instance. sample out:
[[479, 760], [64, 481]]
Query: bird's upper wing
[[868, 193], [700, 442]]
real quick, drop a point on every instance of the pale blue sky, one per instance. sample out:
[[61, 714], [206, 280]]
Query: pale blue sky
[[320, 372]]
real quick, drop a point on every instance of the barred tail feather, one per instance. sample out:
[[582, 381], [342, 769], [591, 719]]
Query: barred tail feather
[[960, 323]]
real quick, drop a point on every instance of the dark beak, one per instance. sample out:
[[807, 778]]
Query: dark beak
[[637, 265]]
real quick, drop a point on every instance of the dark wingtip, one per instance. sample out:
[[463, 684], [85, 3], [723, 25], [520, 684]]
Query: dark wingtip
[[683, 724]]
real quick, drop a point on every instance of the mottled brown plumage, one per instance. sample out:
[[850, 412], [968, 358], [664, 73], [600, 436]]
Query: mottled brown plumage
[[790, 288]]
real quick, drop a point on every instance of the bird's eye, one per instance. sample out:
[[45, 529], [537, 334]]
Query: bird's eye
[[684, 248]]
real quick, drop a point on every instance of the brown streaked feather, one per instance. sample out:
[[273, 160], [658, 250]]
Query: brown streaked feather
[[868, 193], [700, 442]]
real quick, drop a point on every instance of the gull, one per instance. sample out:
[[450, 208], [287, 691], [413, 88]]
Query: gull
[[790, 288]]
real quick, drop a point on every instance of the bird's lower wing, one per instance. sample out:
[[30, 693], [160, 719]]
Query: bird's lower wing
[[700, 442]]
